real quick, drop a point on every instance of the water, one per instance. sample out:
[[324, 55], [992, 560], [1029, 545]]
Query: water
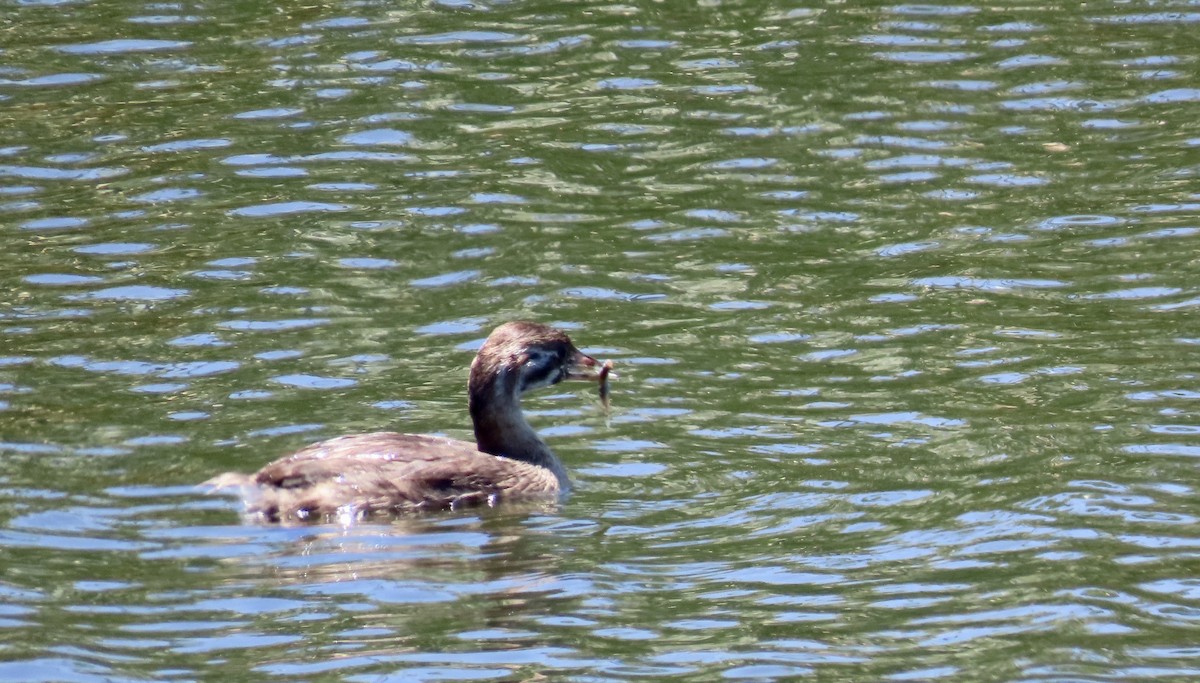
[[902, 298]]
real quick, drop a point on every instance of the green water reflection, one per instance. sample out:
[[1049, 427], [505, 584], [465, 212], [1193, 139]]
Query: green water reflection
[[901, 298]]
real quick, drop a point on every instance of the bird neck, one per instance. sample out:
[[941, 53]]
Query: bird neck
[[500, 426]]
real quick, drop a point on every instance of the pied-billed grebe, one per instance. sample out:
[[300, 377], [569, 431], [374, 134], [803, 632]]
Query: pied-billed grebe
[[387, 472]]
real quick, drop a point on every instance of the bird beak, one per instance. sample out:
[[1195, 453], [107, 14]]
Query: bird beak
[[583, 367], [587, 368]]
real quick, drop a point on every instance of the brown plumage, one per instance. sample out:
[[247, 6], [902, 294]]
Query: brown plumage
[[388, 472]]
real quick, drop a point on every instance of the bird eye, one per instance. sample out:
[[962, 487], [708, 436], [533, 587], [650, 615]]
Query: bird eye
[[539, 369]]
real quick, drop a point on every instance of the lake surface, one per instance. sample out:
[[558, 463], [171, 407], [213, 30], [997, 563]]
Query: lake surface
[[903, 299]]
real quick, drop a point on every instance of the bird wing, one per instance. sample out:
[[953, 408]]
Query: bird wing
[[390, 472]]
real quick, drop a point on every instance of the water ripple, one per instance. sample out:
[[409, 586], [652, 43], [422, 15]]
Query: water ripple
[[53, 80], [41, 173], [130, 293], [288, 208], [985, 284], [124, 45]]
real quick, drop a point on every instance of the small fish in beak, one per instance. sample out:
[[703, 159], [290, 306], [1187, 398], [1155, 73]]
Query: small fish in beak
[[582, 368], [602, 378]]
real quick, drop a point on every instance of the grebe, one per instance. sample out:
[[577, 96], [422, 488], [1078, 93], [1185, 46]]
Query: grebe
[[388, 472]]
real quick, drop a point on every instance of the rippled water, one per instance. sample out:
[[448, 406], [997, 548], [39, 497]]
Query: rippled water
[[903, 300]]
